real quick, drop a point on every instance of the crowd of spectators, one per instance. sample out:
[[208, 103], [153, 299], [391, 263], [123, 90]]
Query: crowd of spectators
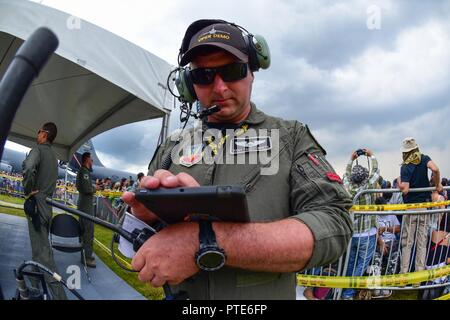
[[11, 183], [385, 258]]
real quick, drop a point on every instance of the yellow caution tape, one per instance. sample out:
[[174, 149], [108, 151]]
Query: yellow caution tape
[[106, 194], [446, 297], [67, 189], [396, 207], [396, 280], [10, 177], [109, 194]]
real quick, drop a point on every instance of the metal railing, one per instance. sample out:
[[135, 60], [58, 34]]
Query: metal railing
[[375, 263]]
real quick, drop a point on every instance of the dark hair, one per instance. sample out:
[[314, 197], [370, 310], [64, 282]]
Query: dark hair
[[395, 183], [444, 182], [52, 131], [140, 175], [380, 200], [387, 195], [85, 156], [359, 174]]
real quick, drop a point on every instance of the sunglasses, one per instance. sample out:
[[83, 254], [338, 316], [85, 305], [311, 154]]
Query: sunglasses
[[228, 73]]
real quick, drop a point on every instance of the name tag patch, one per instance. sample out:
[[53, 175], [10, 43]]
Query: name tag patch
[[250, 144]]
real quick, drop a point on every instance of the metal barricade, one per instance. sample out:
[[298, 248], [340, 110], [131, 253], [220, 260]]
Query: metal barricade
[[378, 264], [104, 209]]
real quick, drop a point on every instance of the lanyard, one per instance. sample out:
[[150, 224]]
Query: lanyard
[[215, 147]]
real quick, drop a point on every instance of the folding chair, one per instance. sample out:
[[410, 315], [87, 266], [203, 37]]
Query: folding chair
[[66, 226]]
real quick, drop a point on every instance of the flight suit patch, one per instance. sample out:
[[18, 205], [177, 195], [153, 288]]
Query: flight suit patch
[[191, 155], [250, 144], [334, 177]]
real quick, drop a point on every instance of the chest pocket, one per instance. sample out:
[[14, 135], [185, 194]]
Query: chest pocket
[[271, 167]]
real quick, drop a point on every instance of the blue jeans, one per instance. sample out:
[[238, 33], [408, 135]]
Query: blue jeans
[[361, 253]]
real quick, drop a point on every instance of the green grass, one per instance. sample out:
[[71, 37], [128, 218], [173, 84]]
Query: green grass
[[12, 211], [104, 236], [9, 199]]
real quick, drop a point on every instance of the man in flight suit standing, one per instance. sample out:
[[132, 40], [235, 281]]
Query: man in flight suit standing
[[40, 172], [298, 211], [86, 192]]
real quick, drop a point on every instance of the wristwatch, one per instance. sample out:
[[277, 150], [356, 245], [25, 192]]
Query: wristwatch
[[209, 257]]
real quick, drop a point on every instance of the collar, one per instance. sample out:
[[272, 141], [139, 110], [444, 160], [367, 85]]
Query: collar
[[254, 117], [45, 144], [88, 169]]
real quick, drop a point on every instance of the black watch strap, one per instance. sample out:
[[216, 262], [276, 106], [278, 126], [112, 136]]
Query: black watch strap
[[207, 235], [209, 257]]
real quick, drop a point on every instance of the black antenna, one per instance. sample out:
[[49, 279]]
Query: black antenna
[[25, 66]]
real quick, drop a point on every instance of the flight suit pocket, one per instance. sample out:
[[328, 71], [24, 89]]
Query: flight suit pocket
[[306, 176]]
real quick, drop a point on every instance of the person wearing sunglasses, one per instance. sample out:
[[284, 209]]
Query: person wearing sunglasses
[[298, 214], [40, 172]]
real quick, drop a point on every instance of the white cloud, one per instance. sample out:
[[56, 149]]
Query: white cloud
[[430, 130], [16, 146], [111, 161], [417, 67]]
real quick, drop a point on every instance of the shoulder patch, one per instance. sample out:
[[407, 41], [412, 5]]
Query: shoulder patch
[[334, 177]]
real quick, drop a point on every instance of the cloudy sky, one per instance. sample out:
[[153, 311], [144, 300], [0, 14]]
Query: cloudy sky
[[359, 73]]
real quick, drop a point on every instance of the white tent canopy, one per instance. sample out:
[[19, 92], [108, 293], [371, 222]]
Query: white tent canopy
[[94, 82]]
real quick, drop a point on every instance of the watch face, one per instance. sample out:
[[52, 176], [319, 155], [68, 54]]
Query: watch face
[[211, 260]]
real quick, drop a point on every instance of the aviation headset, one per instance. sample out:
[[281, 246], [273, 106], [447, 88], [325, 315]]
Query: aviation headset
[[256, 47]]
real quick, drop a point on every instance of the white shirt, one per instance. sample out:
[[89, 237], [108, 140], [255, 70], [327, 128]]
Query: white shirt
[[389, 221]]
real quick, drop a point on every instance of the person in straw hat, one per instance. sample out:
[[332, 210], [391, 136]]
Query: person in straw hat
[[414, 174]]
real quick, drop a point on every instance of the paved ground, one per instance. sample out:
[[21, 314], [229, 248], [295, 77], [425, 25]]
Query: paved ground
[[15, 248]]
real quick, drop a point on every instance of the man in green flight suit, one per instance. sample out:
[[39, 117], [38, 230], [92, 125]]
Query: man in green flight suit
[[86, 192], [40, 172], [297, 204]]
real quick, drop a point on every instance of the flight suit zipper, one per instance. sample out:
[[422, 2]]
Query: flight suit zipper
[[252, 181], [255, 178]]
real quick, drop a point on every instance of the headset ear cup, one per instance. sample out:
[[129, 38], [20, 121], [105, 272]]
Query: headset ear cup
[[252, 58], [262, 51], [185, 86]]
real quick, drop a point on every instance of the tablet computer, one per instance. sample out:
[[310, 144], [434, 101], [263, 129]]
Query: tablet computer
[[220, 203]]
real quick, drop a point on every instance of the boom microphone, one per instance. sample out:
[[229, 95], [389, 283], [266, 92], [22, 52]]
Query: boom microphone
[[25, 66], [208, 111]]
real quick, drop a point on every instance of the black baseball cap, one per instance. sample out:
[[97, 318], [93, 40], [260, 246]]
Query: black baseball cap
[[222, 35]]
